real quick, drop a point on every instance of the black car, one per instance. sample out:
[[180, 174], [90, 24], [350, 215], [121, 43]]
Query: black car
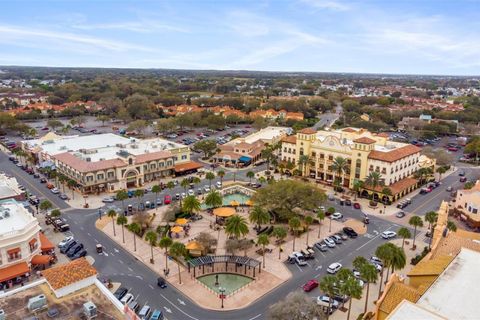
[[36, 175], [79, 254], [43, 180], [11, 158], [73, 250], [350, 232], [120, 292], [161, 283], [68, 246]]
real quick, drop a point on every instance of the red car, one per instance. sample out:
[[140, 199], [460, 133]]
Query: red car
[[167, 199], [356, 205], [452, 149], [310, 285]]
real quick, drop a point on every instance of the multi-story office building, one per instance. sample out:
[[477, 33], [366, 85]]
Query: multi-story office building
[[108, 162], [364, 152]]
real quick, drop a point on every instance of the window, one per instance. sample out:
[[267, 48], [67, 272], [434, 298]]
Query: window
[[322, 156], [285, 149], [153, 166], [14, 254], [184, 157], [110, 174], [130, 161], [330, 157], [33, 244], [314, 154], [358, 163], [100, 176], [371, 167], [161, 164], [169, 163], [89, 178], [301, 151]]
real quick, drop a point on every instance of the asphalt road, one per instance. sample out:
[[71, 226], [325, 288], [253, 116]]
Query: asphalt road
[[120, 266], [328, 118]]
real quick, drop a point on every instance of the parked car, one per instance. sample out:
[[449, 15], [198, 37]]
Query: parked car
[[326, 302], [321, 246], [191, 192], [144, 312], [156, 315], [334, 267], [120, 293], [64, 248], [219, 185], [63, 196], [388, 234], [159, 202], [65, 241], [336, 238], [73, 250], [376, 260], [329, 242], [55, 190], [134, 305], [463, 179], [127, 298], [350, 232], [167, 199], [161, 282], [207, 189], [43, 180], [79, 254], [449, 189], [356, 205], [310, 285], [461, 173]]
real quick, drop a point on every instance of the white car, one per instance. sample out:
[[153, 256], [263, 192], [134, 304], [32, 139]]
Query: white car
[[325, 301], [336, 216], [334, 267], [388, 234], [191, 192], [127, 298], [219, 185], [329, 242], [108, 200], [183, 195], [55, 191], [207, 189], [64, 241]]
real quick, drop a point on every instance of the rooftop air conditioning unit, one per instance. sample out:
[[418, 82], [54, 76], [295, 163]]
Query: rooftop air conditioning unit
[[37, 302], [90, 309], [63, 148], [88, 159]]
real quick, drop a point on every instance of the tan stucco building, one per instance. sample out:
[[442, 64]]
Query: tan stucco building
[[467, 204]]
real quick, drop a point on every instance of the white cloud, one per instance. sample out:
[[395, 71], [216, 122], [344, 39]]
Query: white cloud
[[9, 33], [327, 4], [133, 26]]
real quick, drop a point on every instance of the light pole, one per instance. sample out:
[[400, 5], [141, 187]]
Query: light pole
[[222, 294]]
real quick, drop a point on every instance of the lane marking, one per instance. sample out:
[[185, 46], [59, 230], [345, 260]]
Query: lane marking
[[372, 239], [151, 287], [258, 315], [131, 270], [176, 307], [121, 261]]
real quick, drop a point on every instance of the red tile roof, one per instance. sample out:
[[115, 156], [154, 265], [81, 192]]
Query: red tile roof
[[187, 166], [69, 273], [308, 131], [364, 140], [349, 130], [394, 155], [146, 157], [396, 187], [290, 139], [85, 166]]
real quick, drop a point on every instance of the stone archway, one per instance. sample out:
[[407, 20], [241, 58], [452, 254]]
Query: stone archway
[[131, 177], [365, 194]]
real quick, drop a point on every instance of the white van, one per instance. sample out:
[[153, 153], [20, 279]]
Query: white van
[[127, 298], [144, 312]]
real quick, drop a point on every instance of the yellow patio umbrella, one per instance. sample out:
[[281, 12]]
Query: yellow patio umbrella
[[181, 221], [176, 229], [194, 245], [234, 203], [249, 203], [224, 212]]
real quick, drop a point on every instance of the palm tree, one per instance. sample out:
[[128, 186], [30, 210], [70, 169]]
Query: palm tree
[[135, 229], [210, 176], [303, 161], [399, 259], [221, 174], [55, 213], [62, 179], [71, 184], [384, 253], [308, 221], [263, 241], [320, 217], [165, 243], [329, 286], [151, 237], [357, 186], [170, 185], [279, 233], [340, 166], [431, 217], [213, 199], [177, 250], [281, 169], [404, 233], [196, 180], [122, 195], [236, 226], [156, 189], [112, 214], [45, 205], [343, 275], [185, 184], [370, 275], [374, 179], [353, 289], [139, 193], [386, 191], [294, 224], [451, 226], [267, 154], [250, 175], [258, 216], [191, 204], [416, 222], [440, 171], [122, 220], [358, 262]]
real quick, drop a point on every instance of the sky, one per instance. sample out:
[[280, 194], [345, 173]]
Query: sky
[[366, 36]]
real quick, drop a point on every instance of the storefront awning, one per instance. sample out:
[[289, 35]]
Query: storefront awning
[[41, 259], [245, 159], [45, 244], [14, 271], [191, 165]]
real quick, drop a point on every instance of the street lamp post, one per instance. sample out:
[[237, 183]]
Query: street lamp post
[[222, 294]]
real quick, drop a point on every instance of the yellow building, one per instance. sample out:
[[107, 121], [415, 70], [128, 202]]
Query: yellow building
[[467, 205], [314, 152]]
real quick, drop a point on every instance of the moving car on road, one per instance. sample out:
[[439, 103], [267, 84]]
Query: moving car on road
[[389, 234], [400, 214], [350, 232], [310, 285], [108, 200], [336, 216]]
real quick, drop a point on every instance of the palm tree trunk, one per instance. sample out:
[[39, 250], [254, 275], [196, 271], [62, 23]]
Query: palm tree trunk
[[329, 307], [294, 241], [319, 229], [134, 242], [113, 225], [414, 236], [179, 275], [151, 251], [263, 248], [123, 234], [349, 308], [307, 235], [388, 273], [366, 298], [380, 284], [403, 243], [279, 252], [166, 259]]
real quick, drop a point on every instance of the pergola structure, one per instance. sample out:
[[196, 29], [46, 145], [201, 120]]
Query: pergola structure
[[241, 262]]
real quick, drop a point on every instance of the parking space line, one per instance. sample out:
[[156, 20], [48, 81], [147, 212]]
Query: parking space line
[[131, 270], [298, 267], [151, 287]]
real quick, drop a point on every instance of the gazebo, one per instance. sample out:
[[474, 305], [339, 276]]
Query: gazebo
[[176, 229], [224, 212], [238, 264], [195, 248]]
